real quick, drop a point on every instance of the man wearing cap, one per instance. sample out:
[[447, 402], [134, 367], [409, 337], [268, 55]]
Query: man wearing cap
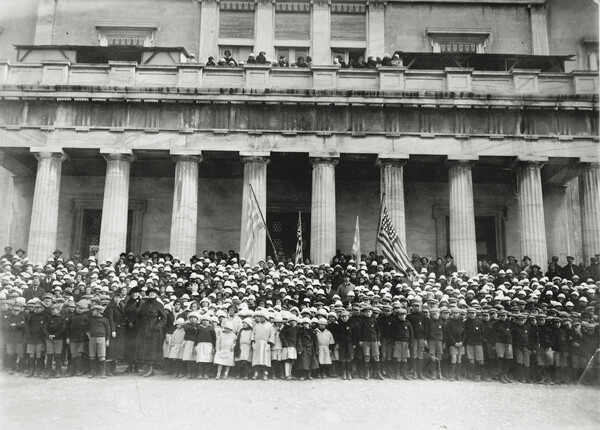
[[569, 270], [7, 253]]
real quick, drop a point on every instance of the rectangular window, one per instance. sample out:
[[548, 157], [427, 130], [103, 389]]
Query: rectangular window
[[348, 26], [457, 40], [292, 25], [239, 53], [237, 24], [126, 35], [292, 54], [590, 52], [348, 54]]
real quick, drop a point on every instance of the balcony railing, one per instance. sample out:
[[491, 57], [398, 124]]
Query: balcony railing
[[120, 75]]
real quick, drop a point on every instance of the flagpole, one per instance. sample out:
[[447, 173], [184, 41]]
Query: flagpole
[[379, 222], [265, 224]]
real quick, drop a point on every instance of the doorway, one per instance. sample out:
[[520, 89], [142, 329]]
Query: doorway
[[90, 236], [485, 238], [282, 227]]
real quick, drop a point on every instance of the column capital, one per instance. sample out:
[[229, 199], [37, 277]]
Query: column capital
[[588, 163], [461, 160], [396, 160], [186, 155], [530, 161], [117, 155], [328, 161], [47, 154], [254, 159]]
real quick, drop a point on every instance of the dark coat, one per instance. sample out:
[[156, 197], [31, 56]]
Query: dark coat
[[117, 321], [149, 338], [307, 347], [132, 309]]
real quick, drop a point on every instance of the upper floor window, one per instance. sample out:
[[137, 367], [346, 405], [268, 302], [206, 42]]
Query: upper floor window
[[236, 20], [348, 21], [590, 54], [292, 21], [126, 35], [458, 40]]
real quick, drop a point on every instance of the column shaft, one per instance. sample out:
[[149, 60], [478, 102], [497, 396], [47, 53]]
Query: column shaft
[[323, 225], [115, 206], [184, 220], [589, 192], [531, 212], [462, 216], [44, 213], [392, 185], [253, 242]]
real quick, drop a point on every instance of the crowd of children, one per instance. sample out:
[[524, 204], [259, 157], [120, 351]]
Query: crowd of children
[[223, 319]]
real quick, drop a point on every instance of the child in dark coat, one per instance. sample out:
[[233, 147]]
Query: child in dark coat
[[308, 348], [55, 327]]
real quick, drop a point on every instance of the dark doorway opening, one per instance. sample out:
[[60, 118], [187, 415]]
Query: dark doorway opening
[[485, 237], [90, 236], [283, 227]]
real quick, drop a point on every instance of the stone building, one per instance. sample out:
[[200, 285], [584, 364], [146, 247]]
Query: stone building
[[485, 141]]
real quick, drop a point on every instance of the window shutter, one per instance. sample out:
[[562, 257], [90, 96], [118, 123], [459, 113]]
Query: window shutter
[[292, 25], [237, 24], [348, 26]]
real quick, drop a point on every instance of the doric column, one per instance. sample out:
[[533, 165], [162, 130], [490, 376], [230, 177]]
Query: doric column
[[462, 215], [531, 210], [322, 209], [321, 33], [184, 221], [392, 185], [44, 213], [253, 241], [589, 195], [115, 206]]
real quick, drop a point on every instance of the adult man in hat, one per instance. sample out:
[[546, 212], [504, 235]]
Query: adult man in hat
[[150, 321], [450, 267], [570, 269]]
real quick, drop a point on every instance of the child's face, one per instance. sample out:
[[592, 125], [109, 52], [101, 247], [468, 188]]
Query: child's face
[[345, 318], [96, 313], [402, 317], [435, 315], [205, 323], [38, 309], [193, 320], [322, 327], [292, 323], [16, 311], [54, 311], [79, 310], [306, 325], [368, 313], [226, 330]]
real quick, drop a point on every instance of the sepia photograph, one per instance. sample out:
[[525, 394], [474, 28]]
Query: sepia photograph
[[299, 214]]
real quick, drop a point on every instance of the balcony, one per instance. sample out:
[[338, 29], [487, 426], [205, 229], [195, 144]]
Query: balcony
[[116, 76]]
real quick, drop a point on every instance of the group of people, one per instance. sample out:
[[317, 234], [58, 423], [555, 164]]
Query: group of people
[[371, 62], [216, 316]]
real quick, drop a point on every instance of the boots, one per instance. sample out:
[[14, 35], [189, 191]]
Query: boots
[[452, 375], [149, 371], [31, 371], [48, 371], [501, 377], [11, 363], [367, 371], [404, 367], [92, 369], [419, 362], [506, 367], [58, 362], [398, 370], [379, 375], [349, 370], [109, 368], [458, 371], [103, 369]]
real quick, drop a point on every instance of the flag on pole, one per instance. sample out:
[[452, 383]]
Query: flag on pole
[[254, 225], [299, 257], [356, 244], [389, 244]]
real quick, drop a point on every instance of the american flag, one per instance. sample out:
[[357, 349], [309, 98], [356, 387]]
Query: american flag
[[254, 225], [299, 257], [390, 246]]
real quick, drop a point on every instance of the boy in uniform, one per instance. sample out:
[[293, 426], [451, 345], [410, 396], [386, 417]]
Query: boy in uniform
[[34, 337], [435, 342], [418, 320], [504, 350], [474, 344], [55, 327], [544, 349], [99, 335], [402, 334], [454, 336], [522, 347], [77, 328], [15, 338], [368, 341]]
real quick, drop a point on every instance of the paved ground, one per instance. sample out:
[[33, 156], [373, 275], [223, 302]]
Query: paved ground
[[127, 402]]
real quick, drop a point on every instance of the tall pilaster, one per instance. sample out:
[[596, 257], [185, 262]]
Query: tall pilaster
[[253, 241], [209, 29], [321, 33], [531, 210], [376, 28], [115, 206], [539, 30], [265, 27], [589, 197], [184, 220], [44, 213], [392, 186], [322, 208], [462, 215]]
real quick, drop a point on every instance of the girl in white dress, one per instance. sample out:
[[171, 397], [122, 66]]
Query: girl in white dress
[[262, 340], [224, 350], [325, 341]]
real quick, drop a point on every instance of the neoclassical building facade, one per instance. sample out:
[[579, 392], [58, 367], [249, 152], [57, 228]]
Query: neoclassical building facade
[[485, 142]]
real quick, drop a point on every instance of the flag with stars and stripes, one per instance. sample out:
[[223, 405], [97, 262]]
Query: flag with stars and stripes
[[299, 257], [389, 245], [254, 225]]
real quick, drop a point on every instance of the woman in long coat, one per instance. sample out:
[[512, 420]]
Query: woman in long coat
[[115, 314], [151, 320], [132, 309]]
